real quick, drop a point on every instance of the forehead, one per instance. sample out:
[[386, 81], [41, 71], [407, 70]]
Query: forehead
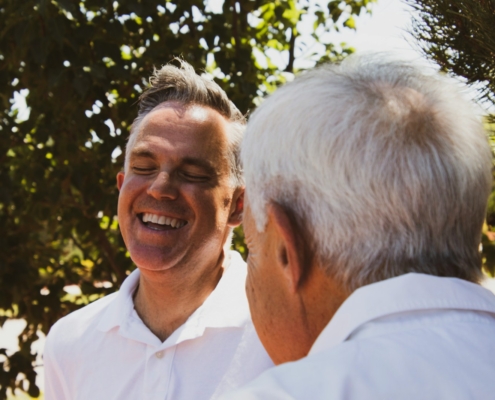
[[195, 130]]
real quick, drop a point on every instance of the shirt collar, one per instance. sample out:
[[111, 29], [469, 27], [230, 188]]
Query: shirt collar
[[410, 292], [121, 308], [226, 306]]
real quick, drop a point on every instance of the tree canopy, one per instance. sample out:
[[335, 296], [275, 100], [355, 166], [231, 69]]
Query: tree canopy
[[460, 37], [80, 67]]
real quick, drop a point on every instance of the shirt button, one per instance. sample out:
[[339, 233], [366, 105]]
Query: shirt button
[[159, 354]]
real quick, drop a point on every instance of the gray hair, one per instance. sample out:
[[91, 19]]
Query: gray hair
[[386, 167], [184, 86]]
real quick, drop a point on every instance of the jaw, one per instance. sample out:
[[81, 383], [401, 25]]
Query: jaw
[[286, 342], [280, 319], [162, 248], [155, 257], [195, 244]]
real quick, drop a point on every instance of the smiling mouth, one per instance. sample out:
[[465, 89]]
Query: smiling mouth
[[160, 222]]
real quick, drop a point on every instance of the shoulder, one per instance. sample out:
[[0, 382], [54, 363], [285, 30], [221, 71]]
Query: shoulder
[[312, 377], [422, 363], [69, 329], [80, 325]]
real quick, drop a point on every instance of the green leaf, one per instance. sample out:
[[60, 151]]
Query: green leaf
[[350, 23]]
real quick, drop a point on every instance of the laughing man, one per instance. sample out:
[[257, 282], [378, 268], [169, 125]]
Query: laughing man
[[179, 328]]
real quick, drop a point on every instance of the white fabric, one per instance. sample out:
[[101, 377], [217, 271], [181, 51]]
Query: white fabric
[[411, 337], [104, 351]]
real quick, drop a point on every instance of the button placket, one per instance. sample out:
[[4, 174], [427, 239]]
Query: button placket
[[158, 373]]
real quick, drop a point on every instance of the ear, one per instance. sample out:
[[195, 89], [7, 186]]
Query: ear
[[288, 248], [236, 208], [120, 179]]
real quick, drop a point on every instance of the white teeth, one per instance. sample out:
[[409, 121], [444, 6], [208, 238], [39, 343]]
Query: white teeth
[[161, 220]]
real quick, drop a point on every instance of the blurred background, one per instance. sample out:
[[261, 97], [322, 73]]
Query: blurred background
[[70, 75]]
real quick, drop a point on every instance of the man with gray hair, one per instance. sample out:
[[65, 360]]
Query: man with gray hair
[[366, 191], [179, 328]]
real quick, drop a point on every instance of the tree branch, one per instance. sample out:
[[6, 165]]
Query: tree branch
[[292, 46], [235, 32]]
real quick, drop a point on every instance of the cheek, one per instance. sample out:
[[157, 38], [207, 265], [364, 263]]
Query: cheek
[[250, 286], [207, 203], [129, 190], [122, 207], [258, 277], [266, 311], [254, 289], [258, 294]]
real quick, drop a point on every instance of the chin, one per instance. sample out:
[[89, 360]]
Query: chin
[[152, 259]]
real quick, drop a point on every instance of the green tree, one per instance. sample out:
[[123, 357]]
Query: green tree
[[81, 66], [460, 37]]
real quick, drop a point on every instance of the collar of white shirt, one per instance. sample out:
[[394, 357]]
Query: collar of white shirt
[[225, 307], [405, 293]]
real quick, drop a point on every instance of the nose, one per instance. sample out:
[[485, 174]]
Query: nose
[[162, 187]]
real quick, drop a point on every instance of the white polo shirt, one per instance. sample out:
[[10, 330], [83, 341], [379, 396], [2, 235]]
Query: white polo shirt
[[104, 351], [409, 338]]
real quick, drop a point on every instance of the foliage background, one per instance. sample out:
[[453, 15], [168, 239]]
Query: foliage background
[[80, 65]]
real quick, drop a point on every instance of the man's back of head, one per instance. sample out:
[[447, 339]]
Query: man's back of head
[[366, 191], [389, 169]]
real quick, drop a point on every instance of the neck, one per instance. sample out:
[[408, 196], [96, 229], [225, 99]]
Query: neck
[[322, 297], [164, 300]]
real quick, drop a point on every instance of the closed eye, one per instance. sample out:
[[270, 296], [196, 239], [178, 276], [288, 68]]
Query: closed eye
[[142, 171], [193, 177]]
